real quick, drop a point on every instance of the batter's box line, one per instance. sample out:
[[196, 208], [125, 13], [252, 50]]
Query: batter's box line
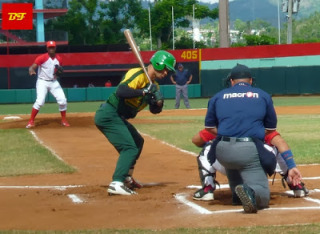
[[53, 187], [182, 197]]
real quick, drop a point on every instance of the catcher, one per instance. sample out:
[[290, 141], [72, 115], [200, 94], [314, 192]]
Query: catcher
[[49, 69], [273, 142], [132, 95]]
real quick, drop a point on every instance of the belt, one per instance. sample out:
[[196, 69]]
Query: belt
[[46, 80], [241, 139]]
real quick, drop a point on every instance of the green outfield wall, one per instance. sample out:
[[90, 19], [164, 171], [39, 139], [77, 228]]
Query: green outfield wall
[[279, 69], [84, 94]]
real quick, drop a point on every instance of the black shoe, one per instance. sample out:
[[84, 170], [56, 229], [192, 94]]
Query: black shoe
[[247, 197], [202, 195], [236, 200]]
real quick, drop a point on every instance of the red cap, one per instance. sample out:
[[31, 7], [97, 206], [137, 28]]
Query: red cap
[[51, 44]]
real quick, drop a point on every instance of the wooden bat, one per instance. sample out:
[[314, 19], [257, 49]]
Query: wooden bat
[[136, 52]]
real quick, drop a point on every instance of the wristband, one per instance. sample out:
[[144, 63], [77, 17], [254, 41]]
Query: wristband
[[288, 158], [268, 138]]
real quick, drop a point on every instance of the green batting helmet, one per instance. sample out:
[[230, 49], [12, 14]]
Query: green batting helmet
[[163, 59]]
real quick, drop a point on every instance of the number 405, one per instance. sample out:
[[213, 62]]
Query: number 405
[[189, 54]]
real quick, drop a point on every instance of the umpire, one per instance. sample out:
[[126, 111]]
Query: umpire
[[241, 115]]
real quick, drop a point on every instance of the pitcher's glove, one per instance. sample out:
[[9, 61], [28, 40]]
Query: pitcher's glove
[[58, 70]]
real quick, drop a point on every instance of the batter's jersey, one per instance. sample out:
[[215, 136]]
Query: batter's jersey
[[241, 111], [129, 107], [46, 66]]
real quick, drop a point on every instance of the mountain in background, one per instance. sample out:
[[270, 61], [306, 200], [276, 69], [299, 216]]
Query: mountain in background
[[267, 10]]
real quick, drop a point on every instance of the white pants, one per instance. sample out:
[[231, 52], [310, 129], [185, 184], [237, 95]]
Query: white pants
[[55, 89]]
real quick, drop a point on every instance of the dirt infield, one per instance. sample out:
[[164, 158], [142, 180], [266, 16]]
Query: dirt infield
[[165, 201]]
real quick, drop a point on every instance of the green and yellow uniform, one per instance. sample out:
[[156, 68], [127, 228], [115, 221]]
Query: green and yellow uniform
[[111, 120]]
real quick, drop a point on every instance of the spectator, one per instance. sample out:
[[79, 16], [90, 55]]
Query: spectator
[[108, 84]]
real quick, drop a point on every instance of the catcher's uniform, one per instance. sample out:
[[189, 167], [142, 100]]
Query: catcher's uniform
[[111, 120]]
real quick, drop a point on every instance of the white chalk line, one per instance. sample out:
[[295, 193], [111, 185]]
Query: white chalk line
[[172, 146], [47, 147], [75, 198], [183, 199], [53, 187], [11, 117]]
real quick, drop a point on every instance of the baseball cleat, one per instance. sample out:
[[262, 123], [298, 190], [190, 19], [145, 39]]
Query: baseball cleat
[[247, 197], [65, 123], [30, 124], [204, 194], [118, 188], [132, 183]]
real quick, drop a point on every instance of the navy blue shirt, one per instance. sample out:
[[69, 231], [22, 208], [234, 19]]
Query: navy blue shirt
[[241, 111], [181, 77]]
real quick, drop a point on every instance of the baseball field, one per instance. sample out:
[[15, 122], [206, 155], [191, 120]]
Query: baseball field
[[53, 179]]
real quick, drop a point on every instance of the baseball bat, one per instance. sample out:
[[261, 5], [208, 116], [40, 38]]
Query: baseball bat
[[136, 52]]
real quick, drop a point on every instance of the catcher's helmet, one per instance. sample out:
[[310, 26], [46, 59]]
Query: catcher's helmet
[[163, 59]]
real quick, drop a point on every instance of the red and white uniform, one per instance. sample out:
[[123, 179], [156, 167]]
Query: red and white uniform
[[47, 81]]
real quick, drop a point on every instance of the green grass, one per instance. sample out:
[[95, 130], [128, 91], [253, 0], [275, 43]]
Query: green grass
[[302, 132], [21, 154], [168, 104], [309, 229], [27, 156]]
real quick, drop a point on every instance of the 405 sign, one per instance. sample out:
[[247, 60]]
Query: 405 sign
[[190, 55]]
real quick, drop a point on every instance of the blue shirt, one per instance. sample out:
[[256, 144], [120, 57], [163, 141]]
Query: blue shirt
[[181, 77], [241, 111]]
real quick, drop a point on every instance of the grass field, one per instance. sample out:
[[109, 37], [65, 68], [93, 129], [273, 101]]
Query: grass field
[[169, 104], [300, 131]]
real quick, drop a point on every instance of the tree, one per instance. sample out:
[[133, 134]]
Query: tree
[[161, 18], [307, 30], [90, 22]]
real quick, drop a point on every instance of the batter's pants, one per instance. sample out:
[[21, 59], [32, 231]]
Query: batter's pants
[[242, 164], [123, 136]]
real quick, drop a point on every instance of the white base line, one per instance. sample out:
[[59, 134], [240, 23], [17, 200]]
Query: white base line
[[200, 209], [75, 198], [47, 147], [182, 198], [312, 200], [41, 187]]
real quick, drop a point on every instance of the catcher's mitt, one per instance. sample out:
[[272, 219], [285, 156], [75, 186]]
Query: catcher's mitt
[[58, 70]]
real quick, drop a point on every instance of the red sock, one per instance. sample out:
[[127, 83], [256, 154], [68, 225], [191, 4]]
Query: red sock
[[34, 112], [207, 188], [63, 115]]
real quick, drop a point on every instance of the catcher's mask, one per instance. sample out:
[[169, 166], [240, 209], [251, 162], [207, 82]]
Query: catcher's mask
[[163, 59]]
